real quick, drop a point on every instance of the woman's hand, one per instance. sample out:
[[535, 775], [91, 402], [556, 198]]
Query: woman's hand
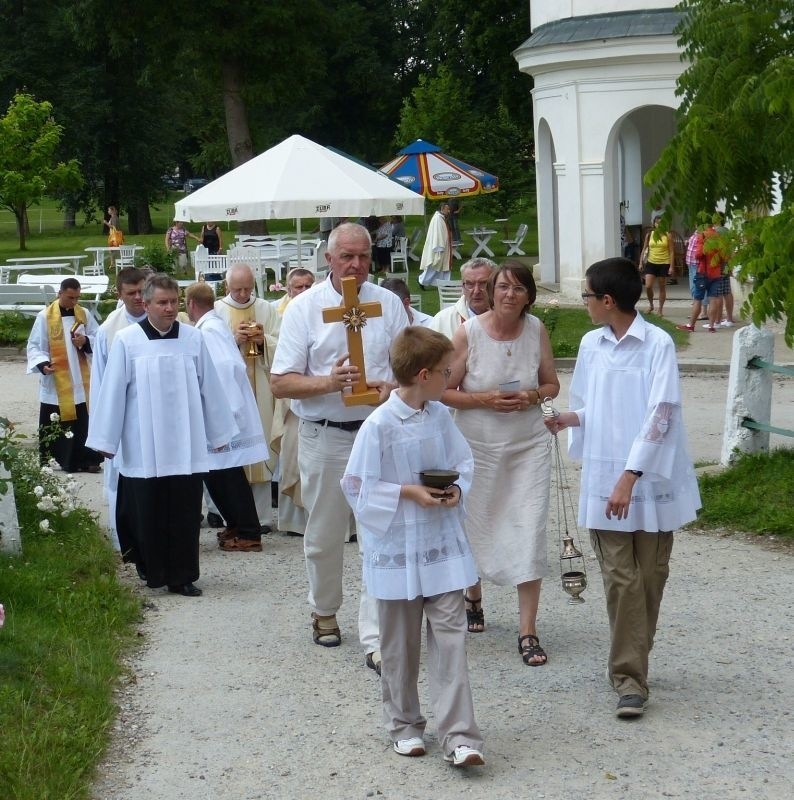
[[504, 402]]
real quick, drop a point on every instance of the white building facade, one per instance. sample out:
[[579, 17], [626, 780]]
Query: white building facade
[[604, 102]]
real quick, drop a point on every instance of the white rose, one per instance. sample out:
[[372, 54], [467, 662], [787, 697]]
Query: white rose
[[55, 417], [69, 435], [38, 491], [44, 524]]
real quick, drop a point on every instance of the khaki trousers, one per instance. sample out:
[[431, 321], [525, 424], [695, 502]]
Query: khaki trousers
[[634, 568], [322, 458], [447, 667]]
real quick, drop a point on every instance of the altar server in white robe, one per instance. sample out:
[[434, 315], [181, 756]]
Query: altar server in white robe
[[59, 349], [436, 261], [255, 326], [226, 481], [160, 407], [129, 287]]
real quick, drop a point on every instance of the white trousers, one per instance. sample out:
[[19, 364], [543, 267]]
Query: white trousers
[[322, 459]]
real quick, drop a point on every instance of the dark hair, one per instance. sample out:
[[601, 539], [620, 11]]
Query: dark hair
[[158, 280], [415, 349], [617, 277], [129, 275], [70, 283], [522, 274], [398, 286]]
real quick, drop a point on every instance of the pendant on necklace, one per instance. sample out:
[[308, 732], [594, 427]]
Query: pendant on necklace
[[509, 349]]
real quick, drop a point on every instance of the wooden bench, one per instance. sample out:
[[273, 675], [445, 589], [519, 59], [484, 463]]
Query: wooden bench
[[27, 300]]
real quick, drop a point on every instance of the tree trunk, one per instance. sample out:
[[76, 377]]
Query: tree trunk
[[69, 214], [22, 225], [139, 218], [237, 130]]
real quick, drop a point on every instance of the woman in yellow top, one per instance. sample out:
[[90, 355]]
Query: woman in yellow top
[[658, 256]]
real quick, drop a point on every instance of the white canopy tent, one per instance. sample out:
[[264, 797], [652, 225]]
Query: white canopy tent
[[298, 178]]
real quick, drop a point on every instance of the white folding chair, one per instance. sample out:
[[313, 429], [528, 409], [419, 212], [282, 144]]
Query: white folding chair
[[416, 301], [449, 292], [93, 269], [400, 254], [514, 245]]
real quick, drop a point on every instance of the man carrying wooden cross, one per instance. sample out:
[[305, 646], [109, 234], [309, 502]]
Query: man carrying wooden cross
[[312, 366]]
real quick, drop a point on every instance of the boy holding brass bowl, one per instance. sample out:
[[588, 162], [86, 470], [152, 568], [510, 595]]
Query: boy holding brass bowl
[[407, 472]]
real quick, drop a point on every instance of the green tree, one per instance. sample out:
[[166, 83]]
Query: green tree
[[29, 139], [735, 139]]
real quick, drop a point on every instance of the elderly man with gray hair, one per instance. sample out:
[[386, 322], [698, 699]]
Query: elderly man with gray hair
[[475, 274]]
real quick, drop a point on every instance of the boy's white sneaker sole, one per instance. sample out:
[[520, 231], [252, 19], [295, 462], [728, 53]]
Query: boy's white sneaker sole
[[410, 747], [464, 756]]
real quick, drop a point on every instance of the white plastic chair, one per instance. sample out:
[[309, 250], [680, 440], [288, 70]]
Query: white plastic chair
[[416, 301], [400, 255], [126, 257], [514, 245], [449, 292], [93, 269]]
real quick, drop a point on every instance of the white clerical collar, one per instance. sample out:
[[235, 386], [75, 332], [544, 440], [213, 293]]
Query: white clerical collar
[[234, 304], [133, 319]]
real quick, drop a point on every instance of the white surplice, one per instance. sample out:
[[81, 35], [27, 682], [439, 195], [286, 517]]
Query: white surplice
[[409, 551], [249, 445], [627, 396], [117, 320], [160, 405]]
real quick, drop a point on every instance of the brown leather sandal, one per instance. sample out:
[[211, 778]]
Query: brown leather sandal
[[324, 634], [475, 616], [530, 650]]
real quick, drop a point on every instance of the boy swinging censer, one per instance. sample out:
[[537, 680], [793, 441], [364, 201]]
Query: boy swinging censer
[[573, 572]]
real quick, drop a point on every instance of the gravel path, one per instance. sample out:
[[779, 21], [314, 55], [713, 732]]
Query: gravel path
[[228, 699]]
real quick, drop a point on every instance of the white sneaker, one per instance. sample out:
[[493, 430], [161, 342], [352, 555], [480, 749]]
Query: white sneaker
[[726, 323], [410, 747], [465, 756], [706, 325]]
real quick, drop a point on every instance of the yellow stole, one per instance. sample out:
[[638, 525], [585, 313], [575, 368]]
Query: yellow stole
[[60, 360], [254, 472]]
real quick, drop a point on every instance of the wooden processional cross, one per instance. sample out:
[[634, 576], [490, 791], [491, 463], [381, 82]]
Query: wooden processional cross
[[354, 315]]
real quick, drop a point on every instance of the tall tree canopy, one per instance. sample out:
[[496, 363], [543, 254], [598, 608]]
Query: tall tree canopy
[[29, 138], [735, 139]]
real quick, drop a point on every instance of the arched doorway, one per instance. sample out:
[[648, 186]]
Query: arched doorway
[[549, 211]]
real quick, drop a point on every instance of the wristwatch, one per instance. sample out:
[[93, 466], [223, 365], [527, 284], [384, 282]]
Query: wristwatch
[[637, 472]]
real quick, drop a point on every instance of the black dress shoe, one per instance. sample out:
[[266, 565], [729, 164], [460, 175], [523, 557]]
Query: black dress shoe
[[264, 530], [141, 572], [185, 589], [215, 520]]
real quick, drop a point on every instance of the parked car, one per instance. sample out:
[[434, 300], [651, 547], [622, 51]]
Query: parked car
[[192, 184], [171, 182]]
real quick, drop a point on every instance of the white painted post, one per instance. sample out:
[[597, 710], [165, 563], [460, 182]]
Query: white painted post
[[749, 394], [10, 541]]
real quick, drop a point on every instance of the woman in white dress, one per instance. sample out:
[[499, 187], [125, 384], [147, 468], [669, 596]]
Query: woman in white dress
[[503, 367]]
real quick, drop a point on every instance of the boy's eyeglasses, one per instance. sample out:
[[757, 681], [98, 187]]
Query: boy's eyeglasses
[[445, 372], [585, 295]]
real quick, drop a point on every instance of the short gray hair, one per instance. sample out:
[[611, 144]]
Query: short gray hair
[[476, 263], [158, 280], [349, 229]]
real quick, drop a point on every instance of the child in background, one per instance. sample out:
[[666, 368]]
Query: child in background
[[417, 560]]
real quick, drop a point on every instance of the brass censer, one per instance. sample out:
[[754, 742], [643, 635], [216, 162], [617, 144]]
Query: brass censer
[[573, 572]]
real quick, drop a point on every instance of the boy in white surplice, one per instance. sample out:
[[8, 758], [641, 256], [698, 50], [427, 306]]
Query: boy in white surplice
[[416, 557]]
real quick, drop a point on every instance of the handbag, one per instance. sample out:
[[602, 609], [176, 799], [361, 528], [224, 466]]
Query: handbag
[[115, 237]]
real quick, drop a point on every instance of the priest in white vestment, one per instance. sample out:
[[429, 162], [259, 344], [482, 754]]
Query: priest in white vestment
[[59, 348], [255, 325], [226, 481], [436, 261], [161, 407], [129, 286]]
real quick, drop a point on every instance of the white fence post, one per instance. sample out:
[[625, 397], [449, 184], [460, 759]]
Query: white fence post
[[749, 394], [10, 541]]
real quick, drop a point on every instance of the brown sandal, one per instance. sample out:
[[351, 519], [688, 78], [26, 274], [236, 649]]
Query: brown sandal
[[530, 650], [475, 616], [326, 635]]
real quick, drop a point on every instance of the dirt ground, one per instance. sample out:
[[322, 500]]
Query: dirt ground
[[227, 698]]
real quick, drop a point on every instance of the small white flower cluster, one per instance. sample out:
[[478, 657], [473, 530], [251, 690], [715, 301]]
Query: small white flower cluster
[[55, 417]]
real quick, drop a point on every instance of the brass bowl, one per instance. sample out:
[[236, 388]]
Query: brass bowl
[[574, 583], [438, 478]]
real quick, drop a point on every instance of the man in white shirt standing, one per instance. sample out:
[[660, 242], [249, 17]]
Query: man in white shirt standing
[[436, 261], [475, 274], [311, 367], [129, 286]]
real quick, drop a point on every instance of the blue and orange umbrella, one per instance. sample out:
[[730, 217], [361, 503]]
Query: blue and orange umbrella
[[423, 168]]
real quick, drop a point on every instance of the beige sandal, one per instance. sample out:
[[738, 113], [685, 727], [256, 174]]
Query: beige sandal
[[325, 631]]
